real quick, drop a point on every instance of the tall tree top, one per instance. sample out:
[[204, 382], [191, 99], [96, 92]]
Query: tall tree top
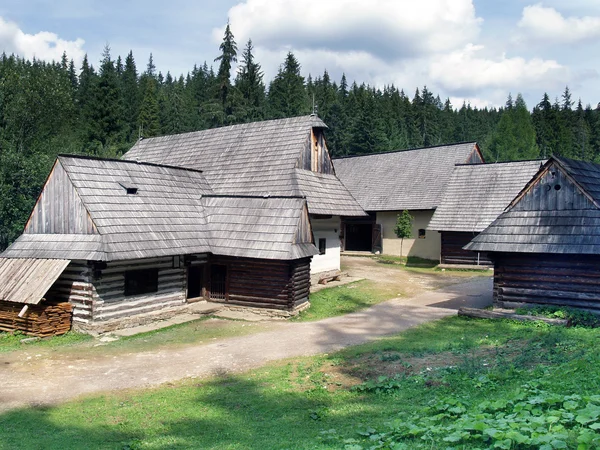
[[228, 54]]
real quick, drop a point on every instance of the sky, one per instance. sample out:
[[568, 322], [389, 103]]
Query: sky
[[476, 51]]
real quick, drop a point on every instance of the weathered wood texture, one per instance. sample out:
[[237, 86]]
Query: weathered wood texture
[[557, 212], [394, 181], [478, 193], [315, 156], [26, 280], [453, 253], [110, 302], [75, 287], [547, 279], [59, 209], [45, 319], [266, 283]]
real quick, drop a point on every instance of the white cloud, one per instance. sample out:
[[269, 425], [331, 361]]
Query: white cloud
[[387, 28], [465, 70], [43, 45], [548, 25]]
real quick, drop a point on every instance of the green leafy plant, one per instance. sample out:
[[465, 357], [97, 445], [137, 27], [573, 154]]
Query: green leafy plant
[[403, 228]]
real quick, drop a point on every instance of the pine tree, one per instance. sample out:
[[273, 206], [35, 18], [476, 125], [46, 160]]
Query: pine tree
[[131, 97], [227, 57], [106, 124], [249, 84], [514, 138], [148, 118], [287, 94]]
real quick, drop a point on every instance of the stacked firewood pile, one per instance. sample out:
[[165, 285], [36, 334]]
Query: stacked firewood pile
[[45, 319]]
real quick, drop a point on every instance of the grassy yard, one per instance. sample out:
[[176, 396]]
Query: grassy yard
[[339, 300], [198, 331], [454, 383]]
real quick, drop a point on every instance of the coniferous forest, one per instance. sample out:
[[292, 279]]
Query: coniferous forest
[[48, 108]]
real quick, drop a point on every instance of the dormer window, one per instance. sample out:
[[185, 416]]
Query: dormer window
[[129, 190]]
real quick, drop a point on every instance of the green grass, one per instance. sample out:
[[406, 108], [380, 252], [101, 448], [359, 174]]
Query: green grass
[[339, 300], [445, 369], [12, 341], [408, 261], [194, 332]]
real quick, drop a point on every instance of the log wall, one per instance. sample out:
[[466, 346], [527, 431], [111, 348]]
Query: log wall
[[75, 286], [547, 279], [453, 253], [109, 297], [265, 283]]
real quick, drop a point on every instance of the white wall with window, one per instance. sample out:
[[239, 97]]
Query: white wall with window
[[326, 232]]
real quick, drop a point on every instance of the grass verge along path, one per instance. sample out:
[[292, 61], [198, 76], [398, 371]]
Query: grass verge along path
[[457, 369]]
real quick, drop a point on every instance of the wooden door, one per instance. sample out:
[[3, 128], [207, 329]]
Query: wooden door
[[377, 244], [218, 282]]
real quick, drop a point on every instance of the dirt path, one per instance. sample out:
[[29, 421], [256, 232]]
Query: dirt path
[[50, 380]]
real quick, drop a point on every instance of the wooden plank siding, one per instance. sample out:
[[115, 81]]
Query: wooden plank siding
[[315, 156], [265, 283], [453, 252], [547, 279], [59, 209]]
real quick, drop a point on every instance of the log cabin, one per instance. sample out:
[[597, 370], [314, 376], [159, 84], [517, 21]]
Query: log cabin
[[116, 239], [385, 184], [546, 244], [273, 157], [474, 197]]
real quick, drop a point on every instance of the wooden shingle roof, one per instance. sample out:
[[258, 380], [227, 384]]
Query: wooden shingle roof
[[410, 179], [259, 227], [169, 211], [557, 212], [258, 158], [478, 193]]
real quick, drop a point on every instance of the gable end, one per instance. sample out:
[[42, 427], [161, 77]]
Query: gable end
[[59, 208]]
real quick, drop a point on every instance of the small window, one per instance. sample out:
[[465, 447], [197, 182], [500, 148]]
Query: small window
[[422, 234], [322, 246], [141, 281]]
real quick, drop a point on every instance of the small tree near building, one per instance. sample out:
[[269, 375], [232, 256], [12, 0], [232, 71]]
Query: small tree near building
[[403, 228]]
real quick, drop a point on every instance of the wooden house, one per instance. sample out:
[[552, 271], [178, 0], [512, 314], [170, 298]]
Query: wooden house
[[474, 197], [546, 244], [274, 157], [385, 184], [116, 239]]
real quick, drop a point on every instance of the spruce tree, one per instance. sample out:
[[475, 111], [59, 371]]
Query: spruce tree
[[131, 97], [249, 84], [148, 118], [287, 93], [227, 57]]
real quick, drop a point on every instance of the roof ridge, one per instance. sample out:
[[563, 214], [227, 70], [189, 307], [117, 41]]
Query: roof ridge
[[406, 150], [253, 196], [128, 161], [487, 164], [237, 125]]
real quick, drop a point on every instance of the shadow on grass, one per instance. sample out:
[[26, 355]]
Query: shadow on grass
[[232, 412]]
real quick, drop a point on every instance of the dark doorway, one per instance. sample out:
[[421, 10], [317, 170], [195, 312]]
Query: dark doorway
[[218, 282], [195, 281], [359, 237]]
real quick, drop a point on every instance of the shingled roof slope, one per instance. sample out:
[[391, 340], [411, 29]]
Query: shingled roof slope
[[410, 179], [258, 158], [167, 215], [478, 193], [258, 227], [557, 212]]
